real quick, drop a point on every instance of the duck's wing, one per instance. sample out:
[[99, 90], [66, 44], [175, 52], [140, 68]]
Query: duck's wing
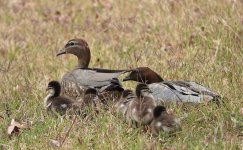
[[107, 70], [181, 91], [193, 86]]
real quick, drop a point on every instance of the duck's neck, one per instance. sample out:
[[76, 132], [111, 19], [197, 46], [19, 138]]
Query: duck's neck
[[82, 63], [83, 59], [155, 78]]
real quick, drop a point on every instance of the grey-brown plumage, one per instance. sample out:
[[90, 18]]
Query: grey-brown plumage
[[141, 108], [77, 81], [124, 101], [164, 122], [56, 103]]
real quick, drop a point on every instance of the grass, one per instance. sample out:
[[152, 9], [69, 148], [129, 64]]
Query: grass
[[192, 40]]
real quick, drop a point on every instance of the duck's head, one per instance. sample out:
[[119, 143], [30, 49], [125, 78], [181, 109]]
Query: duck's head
[[79, 48], [54, 88], [143, 75], [143, 90], [158, 110]]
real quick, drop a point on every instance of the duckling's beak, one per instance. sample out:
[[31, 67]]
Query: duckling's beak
[[61, 51], [150, 91], [48, 88]]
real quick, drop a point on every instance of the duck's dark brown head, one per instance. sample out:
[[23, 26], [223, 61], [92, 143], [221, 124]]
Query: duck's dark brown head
[[158, 110], [143, 75], [55, 87], [79, 48], [142, 90]]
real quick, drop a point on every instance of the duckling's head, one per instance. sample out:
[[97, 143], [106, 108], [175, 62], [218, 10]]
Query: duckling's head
[[158, 110], [143, 75], [90, 95], [126, 97], [54, 88], [79, 48], [143, 90], [127, 93], [91, 91]]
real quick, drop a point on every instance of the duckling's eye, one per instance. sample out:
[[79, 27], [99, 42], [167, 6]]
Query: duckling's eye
[[125, 102]]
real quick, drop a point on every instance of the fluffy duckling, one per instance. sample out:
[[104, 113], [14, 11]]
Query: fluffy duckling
[[141, 108], [123, 104], [90, 96], [91, 99], [54, 102], [164, 122]]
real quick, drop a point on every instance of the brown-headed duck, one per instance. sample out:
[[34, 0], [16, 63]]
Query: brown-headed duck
[[75, 82], [168, 91]]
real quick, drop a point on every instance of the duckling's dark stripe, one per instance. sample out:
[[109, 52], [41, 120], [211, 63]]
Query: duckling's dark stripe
[[130, 97], [144, 88]]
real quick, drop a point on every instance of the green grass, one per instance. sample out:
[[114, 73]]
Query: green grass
[[192, 40]]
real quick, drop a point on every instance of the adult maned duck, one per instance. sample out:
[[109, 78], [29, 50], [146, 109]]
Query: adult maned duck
[[77, 81], [168, 91]]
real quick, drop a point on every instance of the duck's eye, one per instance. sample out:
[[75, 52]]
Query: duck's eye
[[71, 43]]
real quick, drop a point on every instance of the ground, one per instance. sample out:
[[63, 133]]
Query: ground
[[181, 40]]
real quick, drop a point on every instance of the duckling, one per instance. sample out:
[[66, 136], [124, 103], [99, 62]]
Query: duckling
[[125, 99], [141, 108], [169, 91], [91, 100], [54, 102], [76, 82], [164, 122]]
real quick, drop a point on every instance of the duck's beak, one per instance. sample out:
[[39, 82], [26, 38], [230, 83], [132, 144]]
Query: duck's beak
[[61, 51]]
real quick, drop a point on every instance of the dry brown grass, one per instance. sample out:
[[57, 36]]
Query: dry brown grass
[[194, 40]]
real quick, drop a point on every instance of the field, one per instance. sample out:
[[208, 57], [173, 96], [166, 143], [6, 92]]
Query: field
[[198, 40]]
